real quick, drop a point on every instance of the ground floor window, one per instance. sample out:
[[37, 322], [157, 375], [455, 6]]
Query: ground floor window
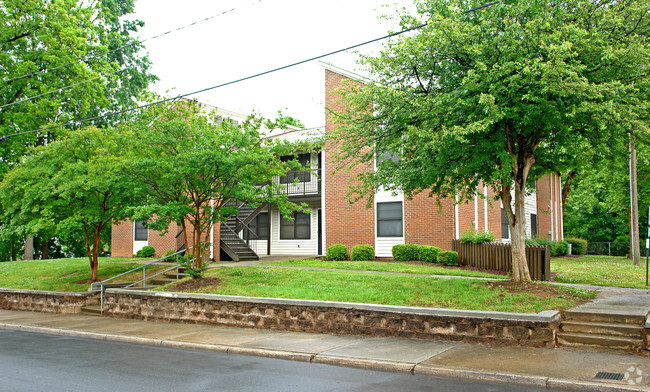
[[260, 226], [533, 225], [505, 228], [389, 219], [140, 232], [297, 229]]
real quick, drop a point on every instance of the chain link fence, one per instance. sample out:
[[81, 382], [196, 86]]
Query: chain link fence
[[608, 248]]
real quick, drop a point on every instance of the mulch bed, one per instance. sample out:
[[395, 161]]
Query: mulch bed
[[536, 289], [194, 284]]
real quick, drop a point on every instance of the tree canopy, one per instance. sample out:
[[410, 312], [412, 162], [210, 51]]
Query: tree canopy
[[189, 166], [70, 185], [498, 96], [78, 57]]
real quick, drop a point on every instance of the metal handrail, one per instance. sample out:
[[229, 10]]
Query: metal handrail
[[143, 280]]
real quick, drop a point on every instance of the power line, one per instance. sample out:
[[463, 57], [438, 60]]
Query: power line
[[62, 88], [121, 48], [2, 138]]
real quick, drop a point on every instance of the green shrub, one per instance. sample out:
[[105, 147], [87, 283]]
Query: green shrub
[[337, 252], [578, 245], [146, 251], [429, 254], [362, 253], [539, 241], [472, 236], [559, 248], [448, 257], [406, 252]]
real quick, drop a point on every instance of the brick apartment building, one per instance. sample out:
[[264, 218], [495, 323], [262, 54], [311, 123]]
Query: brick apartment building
[[391, 220]]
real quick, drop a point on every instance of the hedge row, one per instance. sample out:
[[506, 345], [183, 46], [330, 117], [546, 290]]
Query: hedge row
[[560, 248], [407, 252]]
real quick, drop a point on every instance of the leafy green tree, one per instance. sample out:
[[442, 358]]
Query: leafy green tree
[[47, 45], [71, 184], [188, 170], [499, 96]]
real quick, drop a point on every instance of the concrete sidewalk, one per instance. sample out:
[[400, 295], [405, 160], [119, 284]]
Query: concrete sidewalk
[[560, 368]]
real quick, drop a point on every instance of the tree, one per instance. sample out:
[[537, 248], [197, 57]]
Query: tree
[[499, 96], [49, 45], [188, 169], [71, 184]]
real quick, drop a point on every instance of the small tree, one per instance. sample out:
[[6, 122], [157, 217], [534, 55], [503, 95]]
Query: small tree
[[189, 165], [499, 97], [68, 185]]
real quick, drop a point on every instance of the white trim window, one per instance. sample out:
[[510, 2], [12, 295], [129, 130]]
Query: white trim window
[[389, 219], [297, 229], [140, 231]]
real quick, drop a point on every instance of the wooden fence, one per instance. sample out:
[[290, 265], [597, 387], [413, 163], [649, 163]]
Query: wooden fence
[[497, 256]]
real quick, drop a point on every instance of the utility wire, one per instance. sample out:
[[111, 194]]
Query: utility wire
[[121, 48], [2, 138], [61, 88]]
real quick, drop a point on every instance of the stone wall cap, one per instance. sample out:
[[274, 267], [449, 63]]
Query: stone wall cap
[[545, 316], [45, 292]]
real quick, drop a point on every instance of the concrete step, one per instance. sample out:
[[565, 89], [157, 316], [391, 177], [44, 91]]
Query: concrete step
[[172, 275], [162, 281], [603, 316], [580, 339], [91, 309], [609, 329], [147, 287]]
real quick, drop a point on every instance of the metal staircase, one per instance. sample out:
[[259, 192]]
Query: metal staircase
[[236, 246]]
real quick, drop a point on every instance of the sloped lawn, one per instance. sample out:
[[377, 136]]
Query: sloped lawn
[[70, 275], [599, 271], [385, 289], [411, 268]]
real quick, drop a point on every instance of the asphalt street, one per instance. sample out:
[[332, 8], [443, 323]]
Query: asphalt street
[[41, 362]]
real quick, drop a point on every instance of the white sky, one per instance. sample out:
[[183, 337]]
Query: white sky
[[258, 36]]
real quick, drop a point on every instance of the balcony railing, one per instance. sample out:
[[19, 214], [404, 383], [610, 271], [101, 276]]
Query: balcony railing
[[312, 187]]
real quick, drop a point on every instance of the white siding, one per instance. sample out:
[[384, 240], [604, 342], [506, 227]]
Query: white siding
[[384, 245], [293, 247], [530, 207]]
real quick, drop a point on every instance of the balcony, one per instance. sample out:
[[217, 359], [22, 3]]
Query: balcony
[[300, 183]]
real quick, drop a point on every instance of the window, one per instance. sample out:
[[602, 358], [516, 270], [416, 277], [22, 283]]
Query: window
[[301, 175], [389, 219], [260, 226], [297, 229], [386, 156], [141, 232], [533, 225], [505, 228]]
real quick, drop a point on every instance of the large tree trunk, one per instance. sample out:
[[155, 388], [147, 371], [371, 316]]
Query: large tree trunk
[[93, 273], [94, 262], [635, 248], [517, 224], [45, 249], [198, 251], [566, 187]]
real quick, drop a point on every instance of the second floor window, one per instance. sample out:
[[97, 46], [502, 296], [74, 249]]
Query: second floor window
[[300, 175]]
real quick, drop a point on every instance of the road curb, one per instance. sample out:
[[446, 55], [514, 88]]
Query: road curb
[[364, 363]]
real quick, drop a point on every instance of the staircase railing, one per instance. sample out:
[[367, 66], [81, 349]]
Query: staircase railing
[[100, 286]]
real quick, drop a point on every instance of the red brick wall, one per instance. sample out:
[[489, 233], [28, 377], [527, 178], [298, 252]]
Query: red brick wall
[[345, 223], [425, 223], [122, 239]]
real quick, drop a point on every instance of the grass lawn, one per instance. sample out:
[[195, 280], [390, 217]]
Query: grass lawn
[[382, 289], [600, 271], [386, 267], [69, 275]]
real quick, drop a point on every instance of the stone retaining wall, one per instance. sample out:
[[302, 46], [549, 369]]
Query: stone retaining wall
[[45, 301], [534, 330]]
